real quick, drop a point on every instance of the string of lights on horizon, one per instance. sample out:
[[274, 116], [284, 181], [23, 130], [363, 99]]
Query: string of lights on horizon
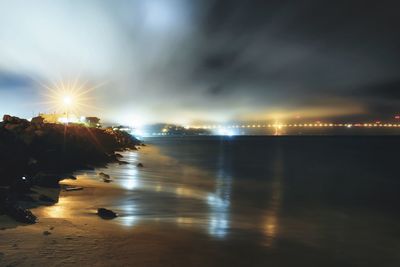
[[279, 125]]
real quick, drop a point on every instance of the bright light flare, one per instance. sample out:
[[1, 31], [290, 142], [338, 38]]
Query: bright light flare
[[67, 100], [225, 132], [69, 97]]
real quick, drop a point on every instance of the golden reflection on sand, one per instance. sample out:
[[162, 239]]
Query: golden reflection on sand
[[271, 217], [58, 210], [167, 176]]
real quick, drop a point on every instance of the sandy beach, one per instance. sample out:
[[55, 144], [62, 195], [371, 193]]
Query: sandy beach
[[207, 202], [70, 232]]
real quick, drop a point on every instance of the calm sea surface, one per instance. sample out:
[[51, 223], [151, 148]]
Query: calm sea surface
[[287, 201]]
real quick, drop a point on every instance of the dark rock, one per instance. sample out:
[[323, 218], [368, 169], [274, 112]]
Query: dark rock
[[40, 152], [21, 184], [73, 188], [117, 155], [106, 214], [37, 120], [20, 214], [32, 161], [45, 198], [26, 198], [140, 165], [46, 180], [10, 119], [46, 233], [121, 162], [104, 175], [72, 177]]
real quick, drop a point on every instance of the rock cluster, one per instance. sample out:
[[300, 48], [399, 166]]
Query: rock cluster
[[36, 153], [30, 149]]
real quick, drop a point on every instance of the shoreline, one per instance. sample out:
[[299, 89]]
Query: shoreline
[[184, 209], [41, 154], [70, 232]]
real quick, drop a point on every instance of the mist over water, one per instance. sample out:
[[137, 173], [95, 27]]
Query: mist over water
[[303, 200]]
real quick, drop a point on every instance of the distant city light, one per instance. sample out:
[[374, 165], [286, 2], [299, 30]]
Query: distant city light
[[225, 131], [67, 100], [69, 119], [228, 129]]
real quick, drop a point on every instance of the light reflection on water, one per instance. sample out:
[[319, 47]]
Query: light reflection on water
[[265, 194], [271, 219], [219, 201], [131, 178], [162, 192]]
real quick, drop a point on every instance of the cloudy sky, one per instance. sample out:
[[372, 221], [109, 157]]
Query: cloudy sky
[[210, 60]]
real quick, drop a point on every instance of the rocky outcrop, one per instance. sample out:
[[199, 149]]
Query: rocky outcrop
[[37, 153], [34, 149], [17, 212]]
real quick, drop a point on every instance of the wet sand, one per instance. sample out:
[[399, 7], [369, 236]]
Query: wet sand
[[144, 237]]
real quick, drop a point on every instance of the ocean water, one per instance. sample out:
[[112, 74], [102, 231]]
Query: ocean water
[[279, 201], [331, 199]]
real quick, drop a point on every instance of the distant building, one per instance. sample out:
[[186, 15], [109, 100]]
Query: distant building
[[93, 121], [70, 118], [52, 118]]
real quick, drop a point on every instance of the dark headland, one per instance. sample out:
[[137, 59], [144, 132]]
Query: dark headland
[[36, 153]]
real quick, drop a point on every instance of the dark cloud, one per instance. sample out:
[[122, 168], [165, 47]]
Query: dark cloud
[[213, 59], [387, 90], [10, 81]]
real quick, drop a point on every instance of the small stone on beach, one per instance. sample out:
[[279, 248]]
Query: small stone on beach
[[106, 213], [73, 188], [140, 165], [104, 175], [46, 233]]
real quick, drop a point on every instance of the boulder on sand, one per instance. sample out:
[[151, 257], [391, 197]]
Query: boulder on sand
[[20, 214], [140, 165], [106, 213], [104, 175]]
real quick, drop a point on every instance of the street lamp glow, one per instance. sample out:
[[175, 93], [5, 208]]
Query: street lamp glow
[[69, 97], [67, 100]]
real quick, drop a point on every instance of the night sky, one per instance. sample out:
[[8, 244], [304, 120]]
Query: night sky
[[205, 61]]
